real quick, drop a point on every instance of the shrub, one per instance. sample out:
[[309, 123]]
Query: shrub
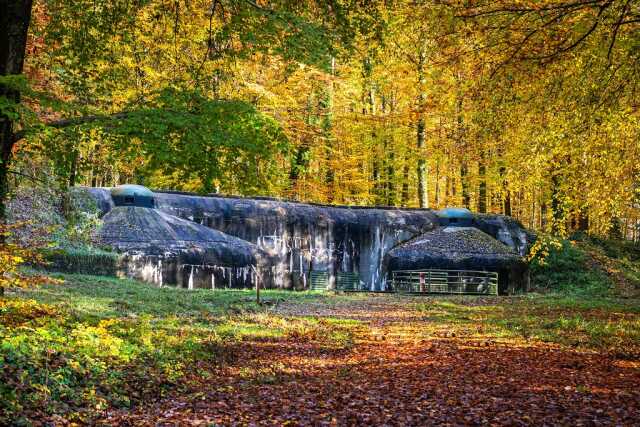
[[52, 362], [559, 265], [12, 256], [82, 260], [83, 218]]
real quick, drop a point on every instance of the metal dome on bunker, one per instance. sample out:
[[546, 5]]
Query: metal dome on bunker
[[455, 217], [133, 195]]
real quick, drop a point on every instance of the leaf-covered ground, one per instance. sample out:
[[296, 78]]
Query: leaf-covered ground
[[413, 361], [104, 351]]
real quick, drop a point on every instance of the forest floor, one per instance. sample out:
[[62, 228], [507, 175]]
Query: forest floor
[[323, 359]]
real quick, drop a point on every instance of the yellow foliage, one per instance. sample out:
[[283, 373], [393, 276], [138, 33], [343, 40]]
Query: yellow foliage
[[12, 257]]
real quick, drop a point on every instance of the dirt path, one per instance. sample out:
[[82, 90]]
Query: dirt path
[[390, 375]]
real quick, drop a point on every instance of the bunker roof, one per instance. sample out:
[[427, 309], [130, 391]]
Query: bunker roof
[[131, 190], [132, 195], [459, 213]]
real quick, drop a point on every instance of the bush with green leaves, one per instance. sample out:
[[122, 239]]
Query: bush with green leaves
[[559, 265], [83, 218], [52, 361], [81, 260]]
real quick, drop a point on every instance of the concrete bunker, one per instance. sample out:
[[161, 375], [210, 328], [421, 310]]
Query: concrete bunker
[[455, 217], [293, 245], [166, 250], [456, 259]]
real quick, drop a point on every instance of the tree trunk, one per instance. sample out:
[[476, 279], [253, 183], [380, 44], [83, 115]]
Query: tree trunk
[[390, 160], [507, 203], [557, 220], [423, 195], [14, 24], [506, 206], [460, 139], [327, 131], [405, 183], [300, 161], [482, 186], [73, 167], [437, 190], [466, 199], [376, 178], [391, 185]]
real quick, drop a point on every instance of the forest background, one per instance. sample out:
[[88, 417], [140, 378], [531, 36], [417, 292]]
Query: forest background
[[525, 108]]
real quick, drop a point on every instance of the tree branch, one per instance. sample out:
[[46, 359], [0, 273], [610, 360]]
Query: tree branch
[[74, 121], [615, 30], [515, 9], [33, 178]]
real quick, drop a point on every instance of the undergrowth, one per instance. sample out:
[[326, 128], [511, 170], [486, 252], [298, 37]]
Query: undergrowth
[[560, 266], [76, 349], [92, 343]]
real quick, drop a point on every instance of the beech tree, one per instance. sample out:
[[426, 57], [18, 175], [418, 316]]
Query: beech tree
[[14, 24], [517, 107]]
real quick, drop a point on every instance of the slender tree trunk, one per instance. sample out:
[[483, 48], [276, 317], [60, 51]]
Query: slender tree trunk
[[376, 176], [390, 169], [405, 183], [482, 186], [466, 199], [437, 179], [391, 185], [327, 128], [557, 220], [300, 161], [73, 167], [507, 203], [423, 194], [14, 24], [460, 136], [446, 188]]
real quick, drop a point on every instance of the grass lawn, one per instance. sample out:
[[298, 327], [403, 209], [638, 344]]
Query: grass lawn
[[111, 351]]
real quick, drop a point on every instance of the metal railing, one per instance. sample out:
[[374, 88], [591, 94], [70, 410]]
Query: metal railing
[[348, 281], [344, 281], [319, 280], [445, 282]]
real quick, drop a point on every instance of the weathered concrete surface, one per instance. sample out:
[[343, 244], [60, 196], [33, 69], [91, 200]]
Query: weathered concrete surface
[[507, 230], [461, 248], [297, 238], [164, 249]]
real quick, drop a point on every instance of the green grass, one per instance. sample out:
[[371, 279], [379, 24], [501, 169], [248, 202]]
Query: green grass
[[111, 297], [95, 342], [83, 260], [619, 259], [602, 324], [566, 270]]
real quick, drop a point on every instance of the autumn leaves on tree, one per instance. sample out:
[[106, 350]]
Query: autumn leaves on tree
[[523, 108]]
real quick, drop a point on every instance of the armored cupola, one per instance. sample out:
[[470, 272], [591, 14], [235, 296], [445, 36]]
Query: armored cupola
[[455, 217], [133, 195]]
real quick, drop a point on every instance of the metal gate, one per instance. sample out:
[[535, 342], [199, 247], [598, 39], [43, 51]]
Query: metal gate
[[445, 282], [348, 281], [319, 280]]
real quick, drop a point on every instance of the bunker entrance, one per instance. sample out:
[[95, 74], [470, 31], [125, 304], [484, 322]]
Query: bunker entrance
[[434, 281]]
